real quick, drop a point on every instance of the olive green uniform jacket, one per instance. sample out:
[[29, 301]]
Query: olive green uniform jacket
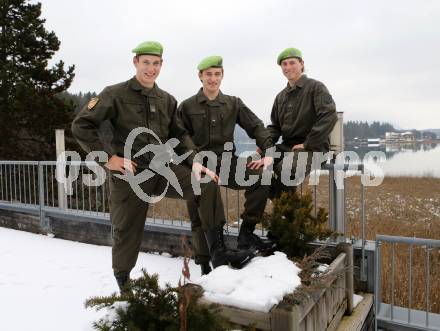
[[211, 124], [127, 106], [303, 114]]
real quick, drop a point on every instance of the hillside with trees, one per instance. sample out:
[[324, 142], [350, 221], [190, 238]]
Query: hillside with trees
[[365, 130], [78, 100], [30, 110]]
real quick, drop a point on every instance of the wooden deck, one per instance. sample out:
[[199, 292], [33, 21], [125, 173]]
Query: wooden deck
[[355, 322]]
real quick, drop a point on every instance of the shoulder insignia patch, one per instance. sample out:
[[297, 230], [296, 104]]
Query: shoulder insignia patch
[[92, 103]]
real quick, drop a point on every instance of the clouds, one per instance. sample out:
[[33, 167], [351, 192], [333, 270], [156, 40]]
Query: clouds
[[378, 58]]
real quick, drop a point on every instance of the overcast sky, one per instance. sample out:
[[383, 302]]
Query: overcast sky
[[379, 59]]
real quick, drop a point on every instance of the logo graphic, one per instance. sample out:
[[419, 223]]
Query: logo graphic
[[162, 156]]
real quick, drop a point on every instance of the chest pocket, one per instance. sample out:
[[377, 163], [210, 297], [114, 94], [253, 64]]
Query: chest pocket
[[216, 125], [289, 109], [199, 125], [229, 118], [132, 115], [284, 117], [158, 118]]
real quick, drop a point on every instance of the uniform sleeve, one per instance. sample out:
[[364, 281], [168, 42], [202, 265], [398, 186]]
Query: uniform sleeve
[[86, 124], [274, 128], [184, 118], [325, 109], [253, 126], [178, 130]]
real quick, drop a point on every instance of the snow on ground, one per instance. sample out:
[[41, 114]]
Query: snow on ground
[[258, 286], [44, 281], [322, 268], [357, 299]]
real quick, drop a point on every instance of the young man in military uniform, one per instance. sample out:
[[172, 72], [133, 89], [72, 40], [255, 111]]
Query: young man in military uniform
[[210, 118], [140, 103], [303, 115]]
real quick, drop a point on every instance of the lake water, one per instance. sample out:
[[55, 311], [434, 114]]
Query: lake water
[[416, 159]]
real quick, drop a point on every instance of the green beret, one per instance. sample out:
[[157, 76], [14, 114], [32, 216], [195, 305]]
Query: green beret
[[214, 61], [149, 47], [288, 53]]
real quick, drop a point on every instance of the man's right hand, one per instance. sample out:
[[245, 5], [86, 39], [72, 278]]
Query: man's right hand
[[265, 162], [198, 169], [120, 164], [257, 164]]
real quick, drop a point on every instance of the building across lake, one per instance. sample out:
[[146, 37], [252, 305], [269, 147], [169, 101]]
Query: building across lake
[[400, 159], [397, 137]]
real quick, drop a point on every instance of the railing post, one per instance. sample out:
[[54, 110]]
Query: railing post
[[349, 277], [363, 273], [337, 202], [43, 224], [340, 209], [377, 280], [331, 198], [337, 134], [60, 148], [410, 283], [428, 249]]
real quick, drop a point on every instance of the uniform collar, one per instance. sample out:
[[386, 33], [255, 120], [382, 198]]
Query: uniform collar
[[201, 97], [153, 92], [300, 83]]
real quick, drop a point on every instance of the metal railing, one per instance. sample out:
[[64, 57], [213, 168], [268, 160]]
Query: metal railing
[[18, 182], [33, 185], [73, 195], [389, 315]]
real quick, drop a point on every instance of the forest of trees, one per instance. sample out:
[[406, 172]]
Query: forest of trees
[[30, 110], [34, 101], [78, 100], [365, 130]]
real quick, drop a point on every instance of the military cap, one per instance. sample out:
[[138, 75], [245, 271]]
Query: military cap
[[288, 53], [149, 47], [214, 61]]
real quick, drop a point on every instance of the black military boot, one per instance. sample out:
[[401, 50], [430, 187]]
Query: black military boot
[[247, 239], [220, 255], [122, 280], [205, 268]]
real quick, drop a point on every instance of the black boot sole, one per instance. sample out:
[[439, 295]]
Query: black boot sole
[[241, 264]]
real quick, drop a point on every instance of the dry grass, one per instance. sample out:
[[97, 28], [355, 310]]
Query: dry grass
[[408, 207], [401, 206]]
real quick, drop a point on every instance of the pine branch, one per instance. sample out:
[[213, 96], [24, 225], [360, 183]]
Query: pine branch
[[292, 223]]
